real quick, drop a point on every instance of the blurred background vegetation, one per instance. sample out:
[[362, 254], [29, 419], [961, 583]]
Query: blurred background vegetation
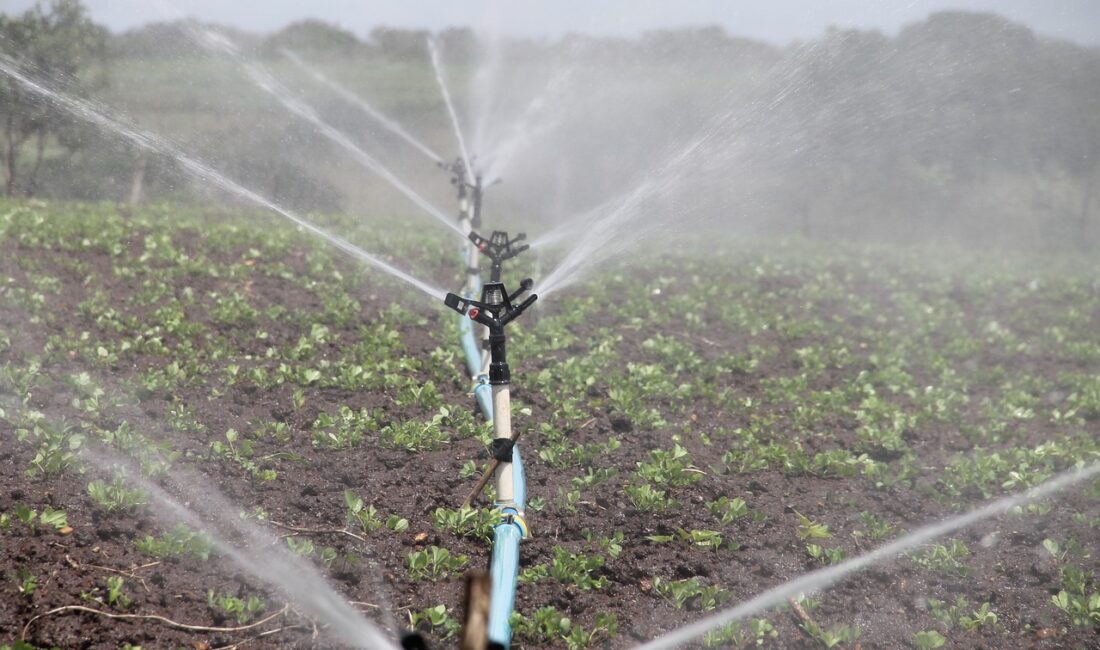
[[963, 126]]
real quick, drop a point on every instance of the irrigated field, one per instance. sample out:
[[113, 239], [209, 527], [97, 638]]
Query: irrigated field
[[696, 430]]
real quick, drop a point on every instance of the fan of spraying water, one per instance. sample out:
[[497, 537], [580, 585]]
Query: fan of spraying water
[[387, 122], [197, 169], [255, 553], [709, 163], [264, 80], [438, 67], [823, 578]]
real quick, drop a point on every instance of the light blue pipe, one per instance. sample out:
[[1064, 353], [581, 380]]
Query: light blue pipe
[[484, 394], [469, 346], [504, 569], [472, 351]]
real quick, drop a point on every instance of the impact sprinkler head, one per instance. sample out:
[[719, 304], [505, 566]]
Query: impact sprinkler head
[[457, 170], [498, 248], [494, 311]]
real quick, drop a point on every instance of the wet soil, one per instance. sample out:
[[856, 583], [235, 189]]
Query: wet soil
[[889, 603]]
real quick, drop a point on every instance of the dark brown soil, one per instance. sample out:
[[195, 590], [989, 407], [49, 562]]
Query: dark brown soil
[[889, 603]]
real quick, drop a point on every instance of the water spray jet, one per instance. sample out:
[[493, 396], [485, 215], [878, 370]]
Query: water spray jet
[[824, 578], [433, 51], [269, 84], [197, 169], [360, 103]]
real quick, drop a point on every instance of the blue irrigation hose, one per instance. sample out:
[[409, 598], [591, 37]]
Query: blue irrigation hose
[[472, 351], [484, 394], [469, 346], [504, 569], [503, 573]]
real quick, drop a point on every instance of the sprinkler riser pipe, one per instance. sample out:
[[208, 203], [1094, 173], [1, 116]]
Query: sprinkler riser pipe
[[499, 373], [502, 408], [475, 216]]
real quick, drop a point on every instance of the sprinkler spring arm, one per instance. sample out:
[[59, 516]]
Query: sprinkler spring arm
[[524, 286]]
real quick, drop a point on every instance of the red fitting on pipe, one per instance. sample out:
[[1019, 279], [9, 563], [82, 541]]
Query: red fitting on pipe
[[474, 311]]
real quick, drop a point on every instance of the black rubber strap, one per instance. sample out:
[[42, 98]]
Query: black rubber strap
[[501, 449]]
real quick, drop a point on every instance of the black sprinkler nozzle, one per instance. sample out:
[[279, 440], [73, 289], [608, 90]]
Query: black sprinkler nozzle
[[467, 186], [524, 287], [494, 311], [498, 248]]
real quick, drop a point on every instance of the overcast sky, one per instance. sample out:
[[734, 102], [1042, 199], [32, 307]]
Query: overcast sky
[[776, 21]]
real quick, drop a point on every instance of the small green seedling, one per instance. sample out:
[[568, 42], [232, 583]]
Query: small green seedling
[[439, 623], [928, 640], [244, 610], [434, 563]]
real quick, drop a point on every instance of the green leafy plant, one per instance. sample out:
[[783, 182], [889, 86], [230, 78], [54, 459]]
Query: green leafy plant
[[669, 467], [754, 632], [115, 594], [467, 521], [115, 496], [647, 498], [56, 449], [928, 640], [809, 529], [978, 618], [710, 539], [825, 555], [26, 582], [876, 528], [241, 609], [364, 516], [1079, 598], [943, 558], [547, 625], [728, 510], [416, 436], [434, 563], [181, 540], [833, 636], [345, 431], [241, 451], [436, 620], [569, 568], [612, 545], [303, 547], [682, 593]]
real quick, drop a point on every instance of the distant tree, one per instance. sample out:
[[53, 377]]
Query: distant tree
[[401, 44], [55, 40], [459, 44], [168, 40], [312, 36], [175, 39]]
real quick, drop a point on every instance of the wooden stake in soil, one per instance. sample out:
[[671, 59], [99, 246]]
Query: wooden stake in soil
[[475, 626]]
